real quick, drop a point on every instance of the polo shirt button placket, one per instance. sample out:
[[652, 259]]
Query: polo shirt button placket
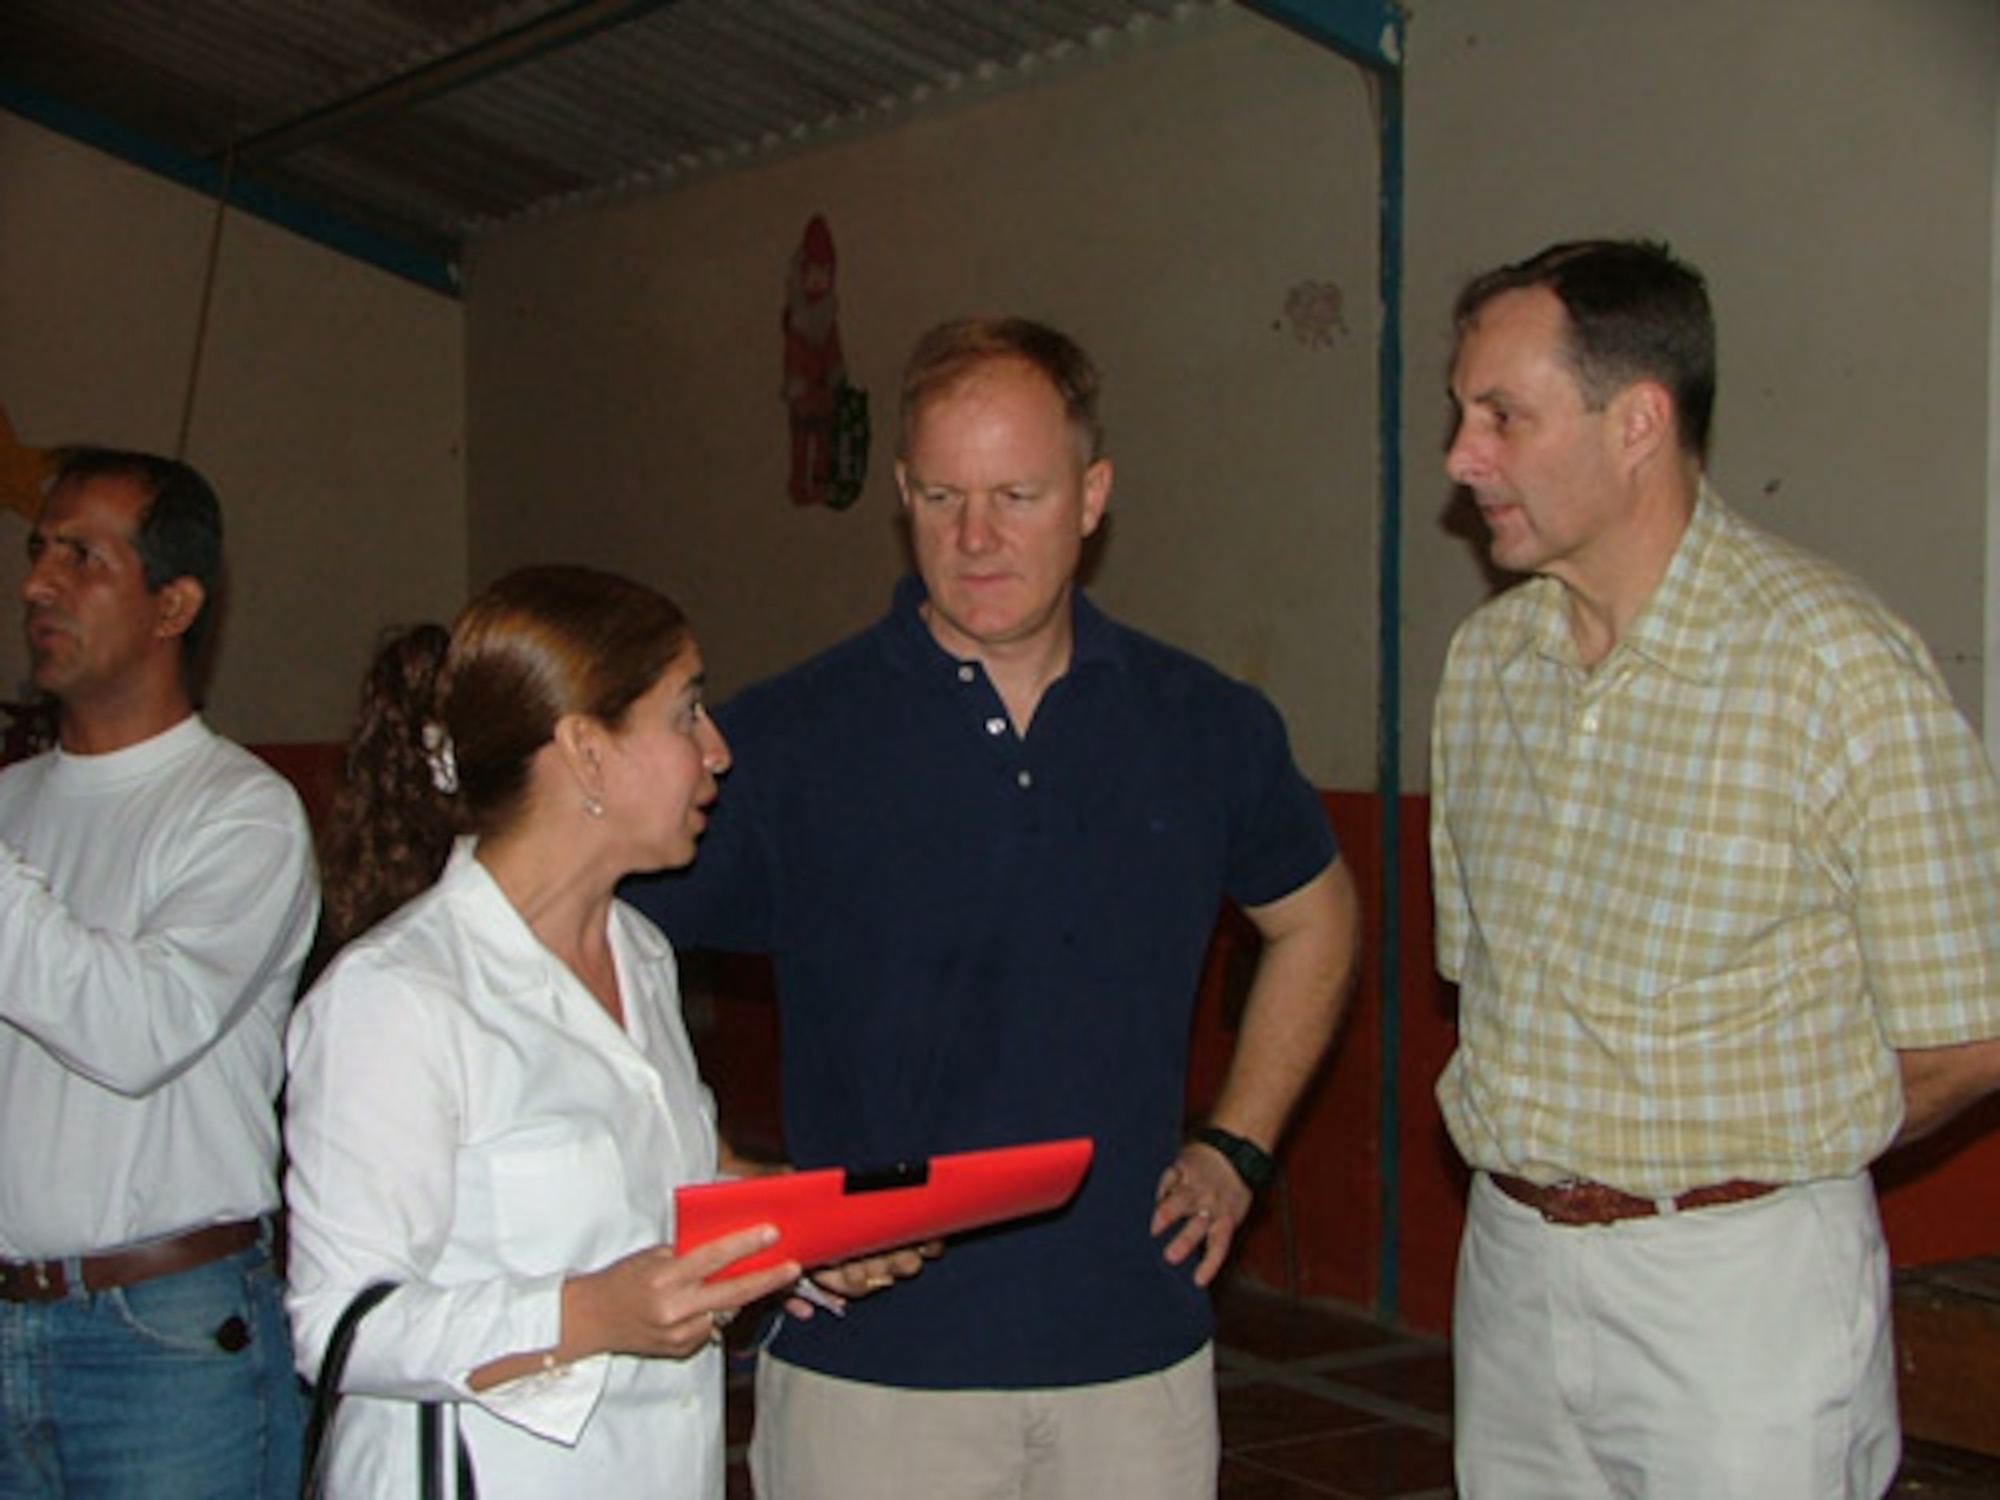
[[998, 727]]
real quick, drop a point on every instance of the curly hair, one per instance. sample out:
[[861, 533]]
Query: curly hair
[[449, 725], [390, 828]]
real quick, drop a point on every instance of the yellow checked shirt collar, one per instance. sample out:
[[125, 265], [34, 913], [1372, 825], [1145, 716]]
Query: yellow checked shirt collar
[[1679, 630]]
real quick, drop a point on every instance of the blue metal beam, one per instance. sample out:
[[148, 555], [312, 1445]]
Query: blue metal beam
[[1369, 32]]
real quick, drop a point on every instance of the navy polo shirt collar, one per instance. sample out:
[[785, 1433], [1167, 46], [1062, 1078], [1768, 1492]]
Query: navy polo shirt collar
[[1095, 641]]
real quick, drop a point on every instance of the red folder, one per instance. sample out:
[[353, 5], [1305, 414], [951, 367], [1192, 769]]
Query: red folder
[[831, 1215]]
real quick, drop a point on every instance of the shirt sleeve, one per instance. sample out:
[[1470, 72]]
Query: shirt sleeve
[[1281, 837], [373, 1128], [1451, 916], [132, 1013], [1917, 805]]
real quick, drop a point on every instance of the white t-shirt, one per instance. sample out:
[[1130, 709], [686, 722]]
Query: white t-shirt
[[155, 905]]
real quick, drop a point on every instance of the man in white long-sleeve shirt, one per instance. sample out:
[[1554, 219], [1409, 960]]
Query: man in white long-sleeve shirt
[[157, 895]]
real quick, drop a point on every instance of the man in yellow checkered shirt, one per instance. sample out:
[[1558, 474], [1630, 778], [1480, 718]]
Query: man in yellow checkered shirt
[[1717, 867]]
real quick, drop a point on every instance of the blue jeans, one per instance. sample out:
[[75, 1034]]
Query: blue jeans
[[176, 1388]]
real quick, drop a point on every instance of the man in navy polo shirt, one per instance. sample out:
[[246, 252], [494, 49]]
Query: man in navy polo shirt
[[985, 842]]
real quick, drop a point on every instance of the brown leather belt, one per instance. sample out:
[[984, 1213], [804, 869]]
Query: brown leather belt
[[48, 1280], [1581, 1202]]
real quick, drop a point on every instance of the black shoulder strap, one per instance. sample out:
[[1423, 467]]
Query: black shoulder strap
[[326, 1400], [326, 1391]]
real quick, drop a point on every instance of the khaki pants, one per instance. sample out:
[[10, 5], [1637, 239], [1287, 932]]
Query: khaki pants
[[820, 1438], [1732, 1353]]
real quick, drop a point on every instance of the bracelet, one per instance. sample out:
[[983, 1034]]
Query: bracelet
[[1251, 1161]]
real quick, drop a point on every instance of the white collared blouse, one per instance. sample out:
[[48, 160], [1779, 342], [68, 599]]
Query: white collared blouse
[[464, 1118]]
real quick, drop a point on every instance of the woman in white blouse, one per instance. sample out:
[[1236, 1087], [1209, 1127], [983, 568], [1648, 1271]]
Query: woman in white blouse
[[492, 1095]]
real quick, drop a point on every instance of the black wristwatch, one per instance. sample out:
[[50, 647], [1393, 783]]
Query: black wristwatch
[[1252, 1162]]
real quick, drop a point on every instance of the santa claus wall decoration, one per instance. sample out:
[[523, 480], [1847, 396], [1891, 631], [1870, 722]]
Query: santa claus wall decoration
[[828, 416]]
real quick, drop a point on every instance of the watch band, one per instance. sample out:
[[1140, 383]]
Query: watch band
[[1251, 1161]]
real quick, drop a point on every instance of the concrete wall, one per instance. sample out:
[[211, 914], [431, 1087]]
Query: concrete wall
[[1830, 165], [1160, 203], [328, 414]]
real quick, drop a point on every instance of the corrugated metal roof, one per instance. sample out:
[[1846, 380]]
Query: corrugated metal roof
[[420, 123]]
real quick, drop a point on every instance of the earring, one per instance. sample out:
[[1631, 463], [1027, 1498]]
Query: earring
[[593, 805]]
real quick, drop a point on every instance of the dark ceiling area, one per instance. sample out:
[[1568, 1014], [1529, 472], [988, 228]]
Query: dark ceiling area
[[398, 130]]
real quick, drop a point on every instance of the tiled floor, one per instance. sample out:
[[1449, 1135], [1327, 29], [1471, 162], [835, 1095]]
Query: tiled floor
[[1319, 1403]]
